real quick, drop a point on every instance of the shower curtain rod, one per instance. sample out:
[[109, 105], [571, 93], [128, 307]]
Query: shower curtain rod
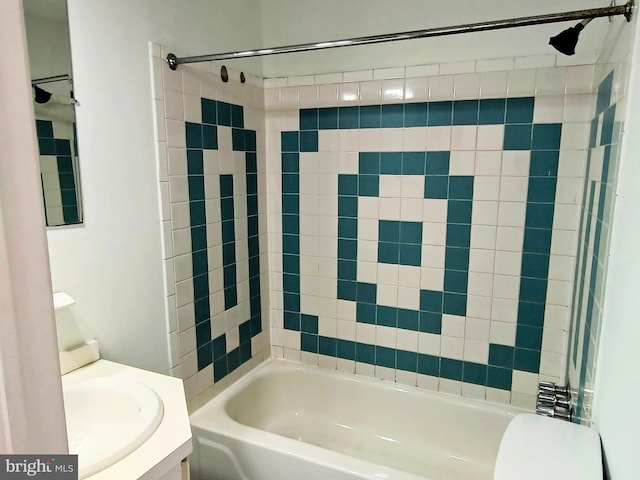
[[610, 11], [55, 78]]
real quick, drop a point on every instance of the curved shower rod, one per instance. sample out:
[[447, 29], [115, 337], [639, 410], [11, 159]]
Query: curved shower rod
[[626, 10]]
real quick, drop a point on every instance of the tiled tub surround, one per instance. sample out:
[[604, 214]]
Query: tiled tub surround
[[429, 237], [593, 247], [58, 155], [210, 186]]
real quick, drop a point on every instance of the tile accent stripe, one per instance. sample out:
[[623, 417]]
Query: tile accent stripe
[[543, 140]]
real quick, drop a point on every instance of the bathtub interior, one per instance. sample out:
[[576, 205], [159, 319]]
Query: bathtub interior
[[431, 435]]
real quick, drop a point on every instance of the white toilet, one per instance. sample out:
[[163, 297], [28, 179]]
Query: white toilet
[[535, 447]]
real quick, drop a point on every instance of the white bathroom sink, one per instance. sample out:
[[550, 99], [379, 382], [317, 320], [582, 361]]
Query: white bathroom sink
[[108, 418]]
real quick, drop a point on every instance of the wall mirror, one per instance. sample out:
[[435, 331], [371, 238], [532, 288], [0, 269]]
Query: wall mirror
[[54, 106]]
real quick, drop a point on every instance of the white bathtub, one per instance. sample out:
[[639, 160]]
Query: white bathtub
[[285, 421]]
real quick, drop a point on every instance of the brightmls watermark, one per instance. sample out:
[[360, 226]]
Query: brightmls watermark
[[50, 467]]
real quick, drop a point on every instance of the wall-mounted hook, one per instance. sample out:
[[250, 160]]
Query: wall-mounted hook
[[224, 74], [242, 77]]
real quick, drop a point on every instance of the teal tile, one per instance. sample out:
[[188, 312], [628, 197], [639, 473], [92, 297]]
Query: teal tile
[[517, 137], [539, 215], [327, 346], [308, 119], [415, 115], [410, 232], [437, 163], [436, 186], [369, 185], [224, 114], [431, 301], [391, 163], [365, 313], [428, 365], [454, 304], [407, 361], [392, 115], [439, 114], [369, 163], [528, 337], [309, 342], [347, 290], [501, 355], [459, 211], [499, 378], [474, 373], [388, 231], [465, 112], [385, 357], [461, 188], [455, 281], [193, 135], [408, 319], [292, 321], [413, 163], [290, 142], [367, 292], [535, 265], [533, 290], [347, 206], [431, 322], [365, 353], [309, 141], [346, 349], [546, 136], [328, 118], [527, 360], [544, 163], [370, 116], [347, 228], [492, 111], [386, 316], [410, 255], [542, 190], [458, 235], [520, 110], [450, 369], [347, 184], [348, 117], [209, 111], [388, 253], [237, 116], [531, 314], [456, 258]]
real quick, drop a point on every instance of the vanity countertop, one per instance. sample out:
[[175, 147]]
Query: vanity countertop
[[168, 445]]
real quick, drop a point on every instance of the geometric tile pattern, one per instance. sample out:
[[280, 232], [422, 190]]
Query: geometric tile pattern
[[595, 228], [200, 137], [401, 242]]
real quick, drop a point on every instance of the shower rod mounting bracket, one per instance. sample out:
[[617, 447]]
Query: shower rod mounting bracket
[[610, 11]]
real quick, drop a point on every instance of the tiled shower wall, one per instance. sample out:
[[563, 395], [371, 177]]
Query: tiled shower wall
[[210, 150], [596, 211], [423, 222]]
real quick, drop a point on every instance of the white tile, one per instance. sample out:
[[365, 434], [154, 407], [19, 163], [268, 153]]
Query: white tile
[[453, 326], [328, 94], [441, 88], [433, 256], [579, 78], [435, 210], [521, 83], [439, 138], [508, 263], [504, 310], [509, 239], [348, 93], [486, 188], [328, 78], [371, 92], [431, 279], [575, 136], [475, 351], [386, 336], [451, 347], [483, 237], [548, 109], [422, 70], [525, 382], [513, 189], [477, 329], [490, 137], [457, 67], [535, 61], [417, 89], [505, 286], [480, 284], [577, 108], [502, 333], [479, 306], [393, 90], [512, 214], [452, 387], [493, 84], [414, 139], [516, 164], [488, 163], [462, 162], [481, 260], [495, 65], [358, 76], [464, 137], [300, 80], [550, 81], [496, 395], [173, 105], [484, 213], [386, 73], [466, 86]]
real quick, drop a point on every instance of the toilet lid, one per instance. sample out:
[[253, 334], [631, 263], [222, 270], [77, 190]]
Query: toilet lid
[[535, 447]]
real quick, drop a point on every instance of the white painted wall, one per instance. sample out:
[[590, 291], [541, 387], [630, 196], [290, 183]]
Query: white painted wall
[[617, 390], [302, 21], [112, 264]]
